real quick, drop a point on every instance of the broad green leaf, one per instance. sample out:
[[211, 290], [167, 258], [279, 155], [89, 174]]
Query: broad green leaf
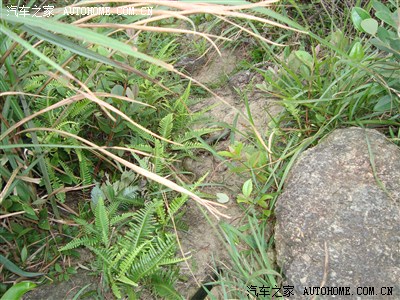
[[29, 211], [18, 290], [117, 90], [383, 34], [357, 16], [96, 194], [247, 188], [357, 51], [305, 58], [370, 26], [380, 8], [387, 18]]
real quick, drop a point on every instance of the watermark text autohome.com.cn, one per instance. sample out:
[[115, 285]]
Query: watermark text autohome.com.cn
[[106, 11], [47, 11]]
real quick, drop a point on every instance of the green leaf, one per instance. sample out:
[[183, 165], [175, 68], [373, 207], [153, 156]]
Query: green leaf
[[222, 198], [18, 290], [44, 219], [247, 188], [13, 268], [357, 51], [387, 18], [242, 199], [305, 58], [383, 34], [96, 194], [29, 211], [117, 90], [23, 232], [266, 212], [370, 26], [58, 268], [225, 154], [24, 254], [357, 16], [384, 104], [380, 8]]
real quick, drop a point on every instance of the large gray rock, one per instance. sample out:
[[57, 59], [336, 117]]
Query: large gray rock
[[338, 223]]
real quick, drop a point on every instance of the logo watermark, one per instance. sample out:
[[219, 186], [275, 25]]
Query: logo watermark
[[34, 11], [47, 11], [106, 11]]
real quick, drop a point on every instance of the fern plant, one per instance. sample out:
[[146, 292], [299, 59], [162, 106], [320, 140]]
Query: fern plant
[[132, 250]]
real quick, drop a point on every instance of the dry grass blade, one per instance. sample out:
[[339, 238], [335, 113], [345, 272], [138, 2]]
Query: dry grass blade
[[159, 29], [22, 93], [16, 213], [9, 182]]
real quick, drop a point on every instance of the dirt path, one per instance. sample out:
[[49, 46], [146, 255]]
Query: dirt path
[[202, 239]]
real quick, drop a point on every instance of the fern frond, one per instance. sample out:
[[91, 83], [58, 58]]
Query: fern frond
[[194, 134], [121, 253], [84, 241], [150, 262], [102, 222], [188, 146], [126, 280], [112, 209], [165, 127], [69, 172], [87, 228], [33, 83], [102, 254], [172, 261], [81, 109], [116, 291], [119, 218], [180, 104], [145, 226], [143, 147], [163, 286], [127, 263], [159, 154], [177, 204], [84, 167], [140, 133]]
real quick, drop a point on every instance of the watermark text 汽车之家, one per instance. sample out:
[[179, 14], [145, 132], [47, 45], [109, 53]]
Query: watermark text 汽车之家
[[34, 11]]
